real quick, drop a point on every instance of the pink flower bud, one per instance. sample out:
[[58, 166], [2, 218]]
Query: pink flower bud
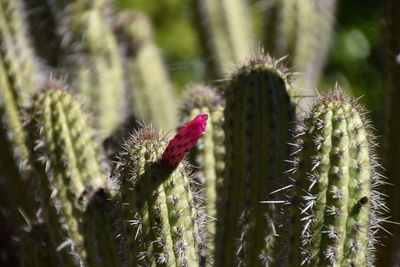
[[184, 140]]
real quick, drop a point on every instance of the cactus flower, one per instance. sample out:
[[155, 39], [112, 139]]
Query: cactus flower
[[184, 140]]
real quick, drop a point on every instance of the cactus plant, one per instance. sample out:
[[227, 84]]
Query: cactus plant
[[99, 226], [158, 205], [93, 60], [67, 161], [335, 208], [152, 95], [258, 116], [208, 155], [304, 32], [225, 34]]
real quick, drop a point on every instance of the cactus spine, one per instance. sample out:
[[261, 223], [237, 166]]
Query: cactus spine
[[151, 90], [158, 204], [68, 161], [225, 33], [208, 155], [258, 114], [98, 227], [335, 206], [95, 61]]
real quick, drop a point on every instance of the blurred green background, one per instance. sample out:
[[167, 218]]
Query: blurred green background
[[356, 59]]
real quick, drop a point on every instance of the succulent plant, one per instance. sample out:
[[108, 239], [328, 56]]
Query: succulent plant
[[335, 208], [258, 117]]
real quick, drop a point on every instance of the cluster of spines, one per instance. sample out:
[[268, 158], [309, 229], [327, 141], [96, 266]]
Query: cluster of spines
[[335, 209], [159, 207], [208, 155], [94, 60], [258, 116], [224, 32], [151, 91], [65, 154]]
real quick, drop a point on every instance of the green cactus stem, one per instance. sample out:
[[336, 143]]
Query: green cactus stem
[[15, 49], [152, 94], [93, 59], [17, 78], [390, 252], [224, 30], [208, 155], [159, 207], [67, 159], [98, 227], [304, 32], [335, 208], [37, 248], [258, 116]]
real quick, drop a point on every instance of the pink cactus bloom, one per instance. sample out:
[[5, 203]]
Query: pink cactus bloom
[[184, 140]]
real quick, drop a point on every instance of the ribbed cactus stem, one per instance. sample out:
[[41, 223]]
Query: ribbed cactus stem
[[258, 116], [15, 49], [304, 32], [335, 207], [67, 160], [224, 33], [93, 58], [159, 207], [37, 248], [208, 155], [98, 227], [151, 91]]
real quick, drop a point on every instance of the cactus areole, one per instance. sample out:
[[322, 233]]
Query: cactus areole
[[184, 140]]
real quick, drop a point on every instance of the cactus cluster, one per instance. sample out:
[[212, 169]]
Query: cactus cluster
[[249, 179]]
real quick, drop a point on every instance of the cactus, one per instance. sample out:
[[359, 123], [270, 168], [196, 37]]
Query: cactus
[[225, 34], [94, 61], [64, 153], [304, 32], [335, 208], [208, 155], [18, 77], [152, 95], [158, 205], [37, 249], [258, 117], [98, 227], [17, 55]]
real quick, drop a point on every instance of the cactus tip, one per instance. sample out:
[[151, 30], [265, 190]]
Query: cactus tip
[[184, 140]]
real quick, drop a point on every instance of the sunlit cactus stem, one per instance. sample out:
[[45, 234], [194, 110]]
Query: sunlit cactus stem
[[335, 209], [258, 115], [208, 155], [150, 90], [224, 33], [93, 58], [158, 204], [67, 160]]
